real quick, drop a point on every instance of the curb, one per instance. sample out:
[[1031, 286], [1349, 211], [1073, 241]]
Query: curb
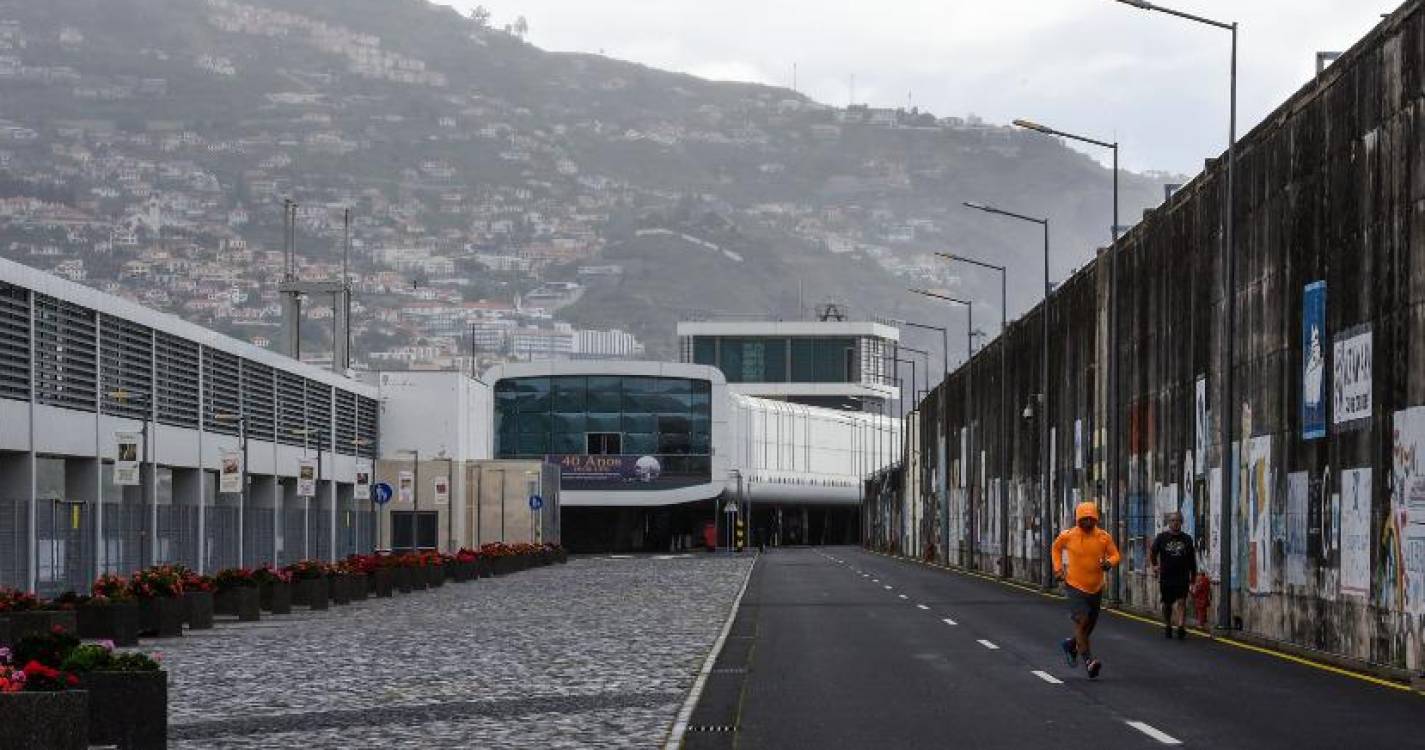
[[685, 714]]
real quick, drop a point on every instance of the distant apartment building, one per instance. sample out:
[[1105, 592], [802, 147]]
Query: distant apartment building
[[613, 344]]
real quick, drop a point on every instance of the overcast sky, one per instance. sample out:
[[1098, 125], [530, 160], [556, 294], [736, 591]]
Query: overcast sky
[[1156, 83]]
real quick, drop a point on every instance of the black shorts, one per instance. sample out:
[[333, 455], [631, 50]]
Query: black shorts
[[1083, 604], [1173, 591]]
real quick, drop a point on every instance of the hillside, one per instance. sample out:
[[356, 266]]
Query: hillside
[[146, 146]]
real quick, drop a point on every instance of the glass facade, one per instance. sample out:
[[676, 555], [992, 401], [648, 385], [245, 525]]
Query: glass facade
[[621, 420], [766, 359]]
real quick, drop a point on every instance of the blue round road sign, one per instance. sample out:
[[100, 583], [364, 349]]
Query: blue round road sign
[[536, 502], [381, 493]]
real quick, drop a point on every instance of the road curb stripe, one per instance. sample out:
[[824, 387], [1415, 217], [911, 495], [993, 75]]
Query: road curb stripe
[[1155, 733], [685, 714]]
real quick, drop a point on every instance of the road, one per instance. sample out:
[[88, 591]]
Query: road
[[839, 648]]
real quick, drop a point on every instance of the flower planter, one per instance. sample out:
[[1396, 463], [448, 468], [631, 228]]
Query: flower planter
[[402, 578], [485, 567], [562, 555], [435, 575], [242, 601], [127, 709], [161, 616], [381, 581], [313, 593], [114, 621], [17, 625], [276, 597], [51, 720], [359, 588], [340, 589], [198, 609]]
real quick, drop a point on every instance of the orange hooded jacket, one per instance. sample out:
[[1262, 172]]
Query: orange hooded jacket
[[1087, 552]]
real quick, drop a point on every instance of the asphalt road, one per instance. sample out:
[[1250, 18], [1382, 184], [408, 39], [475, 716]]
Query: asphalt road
[[838, 648]]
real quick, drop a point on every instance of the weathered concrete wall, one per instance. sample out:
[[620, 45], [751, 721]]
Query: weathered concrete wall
[[1327, 552]]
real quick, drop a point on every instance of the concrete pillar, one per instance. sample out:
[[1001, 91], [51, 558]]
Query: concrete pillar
[[287, 499], [262, 496], [16, 483], [188, 495]]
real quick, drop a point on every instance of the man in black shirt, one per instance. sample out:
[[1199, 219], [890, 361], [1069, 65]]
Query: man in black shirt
[[1174, 562]]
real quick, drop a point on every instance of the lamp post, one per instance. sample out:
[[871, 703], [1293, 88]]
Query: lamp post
[[1045, 516], [242, 493], [969, 306], [1224, 602], [1003, 400], [306, 432], [1115, 495], [143, 399], [356, 445]]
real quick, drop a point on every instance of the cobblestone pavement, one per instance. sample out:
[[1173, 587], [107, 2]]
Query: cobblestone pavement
[[597, 653]]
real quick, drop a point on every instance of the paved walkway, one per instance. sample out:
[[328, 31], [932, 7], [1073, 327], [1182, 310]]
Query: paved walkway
[[851, 650], [599, 652]]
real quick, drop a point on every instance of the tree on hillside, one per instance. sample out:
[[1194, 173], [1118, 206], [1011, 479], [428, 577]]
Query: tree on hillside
[[521, 28], [480, 16]]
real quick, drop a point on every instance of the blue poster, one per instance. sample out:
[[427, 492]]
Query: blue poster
[[1313, 361]]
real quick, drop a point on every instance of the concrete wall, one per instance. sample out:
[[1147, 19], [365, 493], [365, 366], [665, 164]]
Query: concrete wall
[[1327, 552]]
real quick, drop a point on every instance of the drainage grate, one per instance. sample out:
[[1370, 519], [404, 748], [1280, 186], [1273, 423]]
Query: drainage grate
[[712, 728]]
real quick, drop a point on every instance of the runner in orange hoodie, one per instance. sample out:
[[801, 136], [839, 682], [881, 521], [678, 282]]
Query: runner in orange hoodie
[[1091, 553]]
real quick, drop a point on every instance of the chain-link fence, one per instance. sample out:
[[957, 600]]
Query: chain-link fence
[[14, 543], [257, 536]]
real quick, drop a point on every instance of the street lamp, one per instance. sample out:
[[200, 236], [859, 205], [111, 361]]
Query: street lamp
[[1044, 388], [944, 336], [1224, 603], [1115, 496], [306, 432], [242, 493]]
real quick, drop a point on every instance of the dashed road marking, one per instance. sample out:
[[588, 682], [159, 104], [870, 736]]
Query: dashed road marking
[[903, 596], [1049, 678], [988, 645], [887, 587], [875, 580], [1155, 733], [949, 621], [922, 606]]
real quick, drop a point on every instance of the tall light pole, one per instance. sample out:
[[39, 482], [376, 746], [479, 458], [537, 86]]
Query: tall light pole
[[968, 560], [1045, 519], [1229, 264], [1003, 401]]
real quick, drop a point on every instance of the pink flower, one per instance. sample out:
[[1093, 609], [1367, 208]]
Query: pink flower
[[107, 645]]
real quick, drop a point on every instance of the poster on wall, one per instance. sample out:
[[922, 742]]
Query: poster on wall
[[441, 487], [1351, 382], [1214, 523], [1188, 505], [405, 486], [126, 459], [230, 476], [1201, 426], [964, 459], [1257, 508], [361, 487], [1406, 524], [1313, 361], [1079, 444], [1297, 499], [306, 478], [1356, 532]]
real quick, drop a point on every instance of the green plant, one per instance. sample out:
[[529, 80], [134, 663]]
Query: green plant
[[102, 658], [158, 581], [111, 587], [14, 600], [49, 649]]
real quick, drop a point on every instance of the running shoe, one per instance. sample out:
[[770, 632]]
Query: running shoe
[[1094, 666], [1071, 653]]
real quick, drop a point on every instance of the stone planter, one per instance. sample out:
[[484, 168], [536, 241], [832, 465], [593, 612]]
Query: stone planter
[[340, 589], [276, 597], [359, 588], [242, 601], [198, 609], [115, 621], [53, 721], [402, 578], [313, 593], [381, 581], [127, 709], [485, 567], [17, 625], [562, 555], [161, 616], [435, 575]]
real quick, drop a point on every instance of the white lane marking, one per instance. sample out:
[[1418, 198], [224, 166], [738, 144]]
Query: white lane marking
[[949, 621], [1155, 733], [903, 596], [922, 606], [988, 645], [865, 575], [1049, 678], [685, 713], [875, 580], [888, 588]]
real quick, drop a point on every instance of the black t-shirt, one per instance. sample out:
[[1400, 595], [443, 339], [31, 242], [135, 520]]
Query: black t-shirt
[[1177, 560]]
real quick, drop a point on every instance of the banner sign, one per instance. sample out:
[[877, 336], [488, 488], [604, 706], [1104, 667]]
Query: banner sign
[[578, 471], [361, 490], [1201, 424], [1356, 532], [126, 462], [306, 478], [1313, 365], [405, 486], [1351, 389], [441, 485], [230, 480]]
